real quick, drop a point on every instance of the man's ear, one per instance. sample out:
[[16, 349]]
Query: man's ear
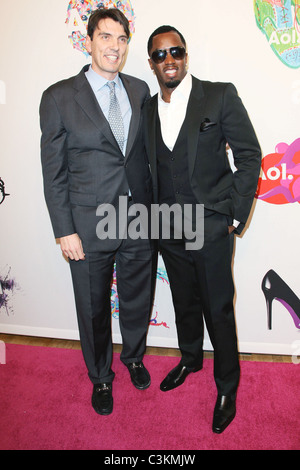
[[150, 63], [88, 44]]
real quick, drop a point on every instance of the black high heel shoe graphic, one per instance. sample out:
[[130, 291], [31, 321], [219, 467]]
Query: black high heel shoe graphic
[[274, 287]]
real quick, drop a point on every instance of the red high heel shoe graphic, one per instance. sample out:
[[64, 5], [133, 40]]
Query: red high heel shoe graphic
[[274, 287]]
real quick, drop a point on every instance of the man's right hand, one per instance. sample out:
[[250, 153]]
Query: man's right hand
[[71, 247]]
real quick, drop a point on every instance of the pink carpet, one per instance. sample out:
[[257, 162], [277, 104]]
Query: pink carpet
[[45, 404]]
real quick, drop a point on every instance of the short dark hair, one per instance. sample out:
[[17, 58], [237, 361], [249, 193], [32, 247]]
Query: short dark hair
[[162, 30], [112, 13]]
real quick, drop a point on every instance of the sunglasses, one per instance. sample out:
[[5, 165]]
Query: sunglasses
[[159, 56]]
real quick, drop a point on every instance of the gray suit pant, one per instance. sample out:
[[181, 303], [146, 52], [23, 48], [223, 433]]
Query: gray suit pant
[[92, 279]]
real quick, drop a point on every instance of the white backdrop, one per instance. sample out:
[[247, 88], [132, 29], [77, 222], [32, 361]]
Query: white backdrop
[[224, 44]]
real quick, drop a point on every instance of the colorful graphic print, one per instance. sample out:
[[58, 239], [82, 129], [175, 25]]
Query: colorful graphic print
[[280, 179], [279, 20], [78, 14], [160, 276]]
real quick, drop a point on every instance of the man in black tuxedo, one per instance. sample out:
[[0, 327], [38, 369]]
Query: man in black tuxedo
[[88, 167], [187, 127]]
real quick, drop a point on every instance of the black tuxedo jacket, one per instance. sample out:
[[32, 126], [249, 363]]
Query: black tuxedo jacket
[[83, 166], [215, 116]]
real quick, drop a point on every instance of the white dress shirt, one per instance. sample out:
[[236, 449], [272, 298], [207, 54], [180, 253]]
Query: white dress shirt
[[172, 114]]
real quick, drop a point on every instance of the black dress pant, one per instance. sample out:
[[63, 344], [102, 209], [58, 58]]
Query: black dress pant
[[202, 285], [92, 279]]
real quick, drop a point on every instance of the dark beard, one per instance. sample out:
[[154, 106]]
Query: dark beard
[[173, 84]]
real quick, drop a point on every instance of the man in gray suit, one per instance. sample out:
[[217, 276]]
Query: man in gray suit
[[89, 166]]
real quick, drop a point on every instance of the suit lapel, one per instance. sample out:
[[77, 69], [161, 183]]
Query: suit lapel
[[150, 138], [136, 114], [194, 116], [85, 97]]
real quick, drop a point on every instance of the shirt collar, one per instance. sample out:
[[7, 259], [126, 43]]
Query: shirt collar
[[97, 81], [181, 92]]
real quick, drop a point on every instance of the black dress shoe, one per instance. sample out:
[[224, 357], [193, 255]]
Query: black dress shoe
[[102, 399], [224, 413], [176, 377], [139, 375]]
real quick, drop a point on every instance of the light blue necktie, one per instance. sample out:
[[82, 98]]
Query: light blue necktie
[[115, 116]]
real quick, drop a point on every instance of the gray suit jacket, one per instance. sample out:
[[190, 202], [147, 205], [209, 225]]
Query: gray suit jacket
[[82, 164], [215, 116]]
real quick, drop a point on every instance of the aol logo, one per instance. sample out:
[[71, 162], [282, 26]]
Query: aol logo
[[279, 180], [275, 173], [279, 21]]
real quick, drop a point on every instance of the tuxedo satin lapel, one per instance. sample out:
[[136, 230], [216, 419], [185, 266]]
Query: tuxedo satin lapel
[[85, 97], [195, 115], [135, 117], [152, 112]]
